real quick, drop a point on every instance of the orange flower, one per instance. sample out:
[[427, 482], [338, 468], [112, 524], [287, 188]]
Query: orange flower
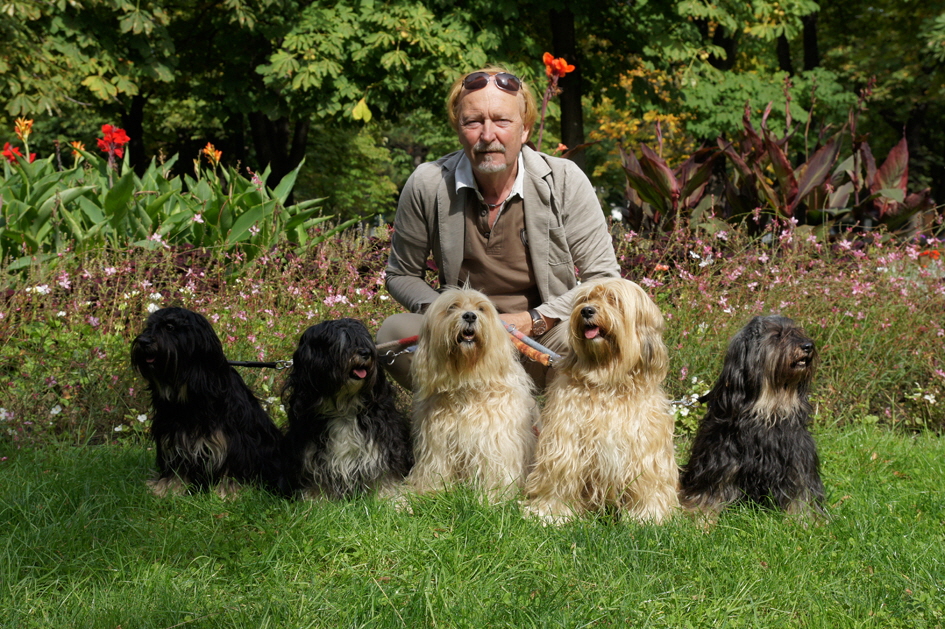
[[23, 128], [931, 253], [78, 146], [556, 67], [212, 154]]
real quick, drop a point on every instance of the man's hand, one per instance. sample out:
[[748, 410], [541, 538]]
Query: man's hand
[[521, 320]]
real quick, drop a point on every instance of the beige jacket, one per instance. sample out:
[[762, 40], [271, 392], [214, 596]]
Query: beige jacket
[[564, 221]]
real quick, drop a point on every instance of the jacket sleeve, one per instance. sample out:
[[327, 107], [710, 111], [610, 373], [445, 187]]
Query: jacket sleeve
[[587, 235], [412, 241]]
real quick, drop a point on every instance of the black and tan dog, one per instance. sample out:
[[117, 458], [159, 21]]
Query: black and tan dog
[[753, 445], [209, 429], [345, 435]]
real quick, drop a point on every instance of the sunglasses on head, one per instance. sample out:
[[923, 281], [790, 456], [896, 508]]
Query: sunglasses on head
[[503, 80]]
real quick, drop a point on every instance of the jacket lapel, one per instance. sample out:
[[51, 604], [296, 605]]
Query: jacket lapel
[[538, 220], [449, 209]]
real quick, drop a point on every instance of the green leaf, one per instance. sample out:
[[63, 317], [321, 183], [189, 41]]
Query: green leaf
[[248, 219], [361, 111], [893, 194], [100, 86], [117, 199], [284, 189]]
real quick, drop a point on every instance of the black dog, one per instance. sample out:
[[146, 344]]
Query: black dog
[[753, 445], [208, 427], [345, 435]]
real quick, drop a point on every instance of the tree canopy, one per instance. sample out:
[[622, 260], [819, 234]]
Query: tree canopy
[[257, 76]]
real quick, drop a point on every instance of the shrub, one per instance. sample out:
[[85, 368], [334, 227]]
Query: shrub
[[47, 209]]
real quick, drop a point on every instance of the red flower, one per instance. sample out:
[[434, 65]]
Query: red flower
[[12, 152], [556, 67], [113, 141]]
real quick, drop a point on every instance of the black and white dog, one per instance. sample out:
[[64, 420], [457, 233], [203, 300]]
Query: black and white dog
[[345, 434], [753, 445], [209, 429]]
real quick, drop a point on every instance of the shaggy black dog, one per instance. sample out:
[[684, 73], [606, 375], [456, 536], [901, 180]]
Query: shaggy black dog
[[753, 445], [208, 427], [345, 435]]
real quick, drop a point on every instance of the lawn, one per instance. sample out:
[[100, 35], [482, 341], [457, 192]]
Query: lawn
[[85, 545]]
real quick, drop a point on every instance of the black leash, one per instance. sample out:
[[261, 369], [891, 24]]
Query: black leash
[[278, 365]]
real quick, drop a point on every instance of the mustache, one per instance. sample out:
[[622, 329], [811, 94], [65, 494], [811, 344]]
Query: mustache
[[494, 147]]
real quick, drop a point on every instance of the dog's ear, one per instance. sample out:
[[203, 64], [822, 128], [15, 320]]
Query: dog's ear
[[650, 332], [307, 382], [742, 372]]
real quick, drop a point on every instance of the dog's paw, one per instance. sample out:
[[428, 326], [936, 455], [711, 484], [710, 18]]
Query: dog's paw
[[167, 486], [227, 489], [547, 514]]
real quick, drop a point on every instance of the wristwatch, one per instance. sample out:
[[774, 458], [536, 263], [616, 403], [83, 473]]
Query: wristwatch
[[539, 326]]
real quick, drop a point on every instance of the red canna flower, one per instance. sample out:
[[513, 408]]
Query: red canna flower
[[12, 152], [556, 67], [113, 141]]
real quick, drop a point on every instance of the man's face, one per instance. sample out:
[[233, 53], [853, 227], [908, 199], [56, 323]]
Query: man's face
[[491, 129]]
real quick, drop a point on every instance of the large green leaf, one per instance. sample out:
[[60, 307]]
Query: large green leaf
[[240, 229], [118, 198]]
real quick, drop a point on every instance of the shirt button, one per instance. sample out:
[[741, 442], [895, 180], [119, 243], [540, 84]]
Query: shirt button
[[483, 212]]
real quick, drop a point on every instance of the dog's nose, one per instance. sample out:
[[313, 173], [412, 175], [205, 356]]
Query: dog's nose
[[807, 347], [469, 317], [364, 353], [588, 311]]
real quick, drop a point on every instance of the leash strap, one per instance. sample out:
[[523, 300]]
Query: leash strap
[[533, 349], [278, 365]]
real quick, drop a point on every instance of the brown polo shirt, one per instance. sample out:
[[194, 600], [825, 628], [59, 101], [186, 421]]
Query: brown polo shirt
[[496, 260]]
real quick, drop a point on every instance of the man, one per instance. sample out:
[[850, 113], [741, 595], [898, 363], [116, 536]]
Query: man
[[509, 221]]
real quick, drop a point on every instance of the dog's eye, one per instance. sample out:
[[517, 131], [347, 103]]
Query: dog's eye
[[168, 326]]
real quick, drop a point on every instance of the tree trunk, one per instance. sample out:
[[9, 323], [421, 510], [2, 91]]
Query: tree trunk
[[271, 140], [564, 44], [784, 55], [132, 119], [811, 51]]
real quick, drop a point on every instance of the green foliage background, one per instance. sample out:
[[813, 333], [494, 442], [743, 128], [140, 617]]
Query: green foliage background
[[271, 82]]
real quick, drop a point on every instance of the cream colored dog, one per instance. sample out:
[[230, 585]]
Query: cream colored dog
[[473, 408], [607, 435]]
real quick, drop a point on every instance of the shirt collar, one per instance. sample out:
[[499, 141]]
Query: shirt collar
[[466, 179]]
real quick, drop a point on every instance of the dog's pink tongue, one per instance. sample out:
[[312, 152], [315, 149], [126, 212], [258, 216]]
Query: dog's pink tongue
[[361, 373], [591, 333]]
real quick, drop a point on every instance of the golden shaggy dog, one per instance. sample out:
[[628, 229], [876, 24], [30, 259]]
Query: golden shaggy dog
[[607, 436], [473, 407]]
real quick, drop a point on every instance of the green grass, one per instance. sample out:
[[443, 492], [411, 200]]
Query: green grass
[[82, 544]]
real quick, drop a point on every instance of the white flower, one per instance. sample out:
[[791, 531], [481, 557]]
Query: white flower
[[42, 289], [142, 418], [928, 397], [155, 296], [61, 313], [4, 415], [55, 410], [153, 307], [119, 428]]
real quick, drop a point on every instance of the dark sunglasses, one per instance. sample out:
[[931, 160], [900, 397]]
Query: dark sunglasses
[[503, 80]]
